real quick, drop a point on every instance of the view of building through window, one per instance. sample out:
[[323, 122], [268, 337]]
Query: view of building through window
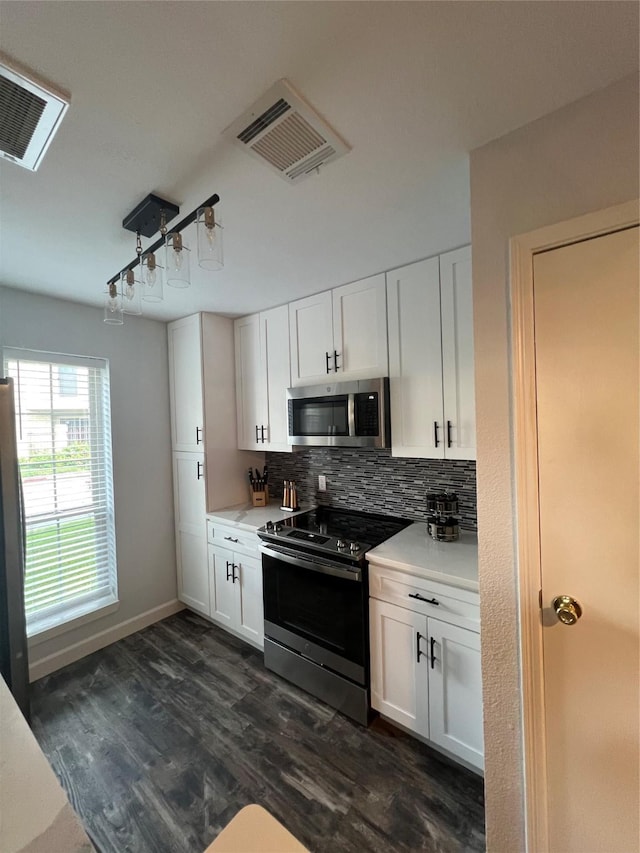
[[64, 451]]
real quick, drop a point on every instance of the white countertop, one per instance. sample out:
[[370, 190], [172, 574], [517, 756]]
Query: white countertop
[[413, 550], [248, 517], [35, 814]]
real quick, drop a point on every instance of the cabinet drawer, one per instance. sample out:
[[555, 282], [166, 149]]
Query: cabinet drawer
[[227, 536], [457, 606]]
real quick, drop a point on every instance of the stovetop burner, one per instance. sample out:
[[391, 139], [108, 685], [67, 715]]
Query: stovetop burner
[[328, 530]]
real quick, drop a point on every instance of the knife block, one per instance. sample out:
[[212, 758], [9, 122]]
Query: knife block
[[259, 498]]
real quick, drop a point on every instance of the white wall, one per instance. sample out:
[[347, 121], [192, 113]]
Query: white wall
[[137, 354], [581, 158]]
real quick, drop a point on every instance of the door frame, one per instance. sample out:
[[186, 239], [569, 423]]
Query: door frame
[[522, 248]]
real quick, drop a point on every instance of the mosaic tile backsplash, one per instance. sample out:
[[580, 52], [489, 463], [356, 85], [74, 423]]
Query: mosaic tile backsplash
[[372, 480]]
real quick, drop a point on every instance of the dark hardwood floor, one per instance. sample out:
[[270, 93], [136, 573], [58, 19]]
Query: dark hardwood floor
[[162, 737]]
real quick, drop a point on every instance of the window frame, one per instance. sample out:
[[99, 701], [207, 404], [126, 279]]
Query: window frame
[[60, 617]]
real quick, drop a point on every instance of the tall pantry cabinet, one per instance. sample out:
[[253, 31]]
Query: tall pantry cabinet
[[209, 472]]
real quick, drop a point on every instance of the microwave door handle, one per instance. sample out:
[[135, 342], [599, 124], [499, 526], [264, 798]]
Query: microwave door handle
[[351, 414]]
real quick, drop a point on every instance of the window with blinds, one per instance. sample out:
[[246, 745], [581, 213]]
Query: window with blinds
[[64, 451]]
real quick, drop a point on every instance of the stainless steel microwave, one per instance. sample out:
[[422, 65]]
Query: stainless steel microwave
[[340, 414]]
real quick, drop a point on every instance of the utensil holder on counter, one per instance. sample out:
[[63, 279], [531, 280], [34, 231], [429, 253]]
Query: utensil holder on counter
[[290, 496], [442, 508], [259, 498]]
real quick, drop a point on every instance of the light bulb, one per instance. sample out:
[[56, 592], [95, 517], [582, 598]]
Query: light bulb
[[211, 235], [151, 276], [112, 301], [177, 259], [130, 292]]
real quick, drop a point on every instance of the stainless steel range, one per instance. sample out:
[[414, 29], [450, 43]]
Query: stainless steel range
[[316, 594]]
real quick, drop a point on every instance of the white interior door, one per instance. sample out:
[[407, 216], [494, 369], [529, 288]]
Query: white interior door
[[586, 338]]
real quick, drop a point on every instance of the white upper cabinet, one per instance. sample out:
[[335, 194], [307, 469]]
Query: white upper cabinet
[[360, 329], [251, 395], [263, 374], [340, 334], [415, 359], [431, 358], [185, 384], [456, 303], [311, 339], [274, 349]]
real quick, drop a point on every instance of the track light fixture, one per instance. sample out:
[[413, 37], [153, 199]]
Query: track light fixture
[[126, 291]]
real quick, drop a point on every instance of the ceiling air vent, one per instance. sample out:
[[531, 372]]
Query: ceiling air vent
[[283, 131], [30, 114]]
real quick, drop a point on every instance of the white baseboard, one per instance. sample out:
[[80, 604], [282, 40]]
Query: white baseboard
[[51, 663]]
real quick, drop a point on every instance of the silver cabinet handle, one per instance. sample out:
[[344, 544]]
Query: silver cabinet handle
[[231, 539]]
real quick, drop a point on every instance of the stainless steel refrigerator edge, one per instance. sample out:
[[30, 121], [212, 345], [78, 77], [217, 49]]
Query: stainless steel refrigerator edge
[[14, 663]]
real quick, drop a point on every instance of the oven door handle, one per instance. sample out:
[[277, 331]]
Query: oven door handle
[[322, 568]]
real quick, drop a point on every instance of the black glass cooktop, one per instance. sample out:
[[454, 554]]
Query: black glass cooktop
[[335, 530]]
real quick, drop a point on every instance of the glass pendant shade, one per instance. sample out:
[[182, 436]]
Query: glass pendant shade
[[177, 261], [131, 290], [113, 305], [209, 238], [152, 278]]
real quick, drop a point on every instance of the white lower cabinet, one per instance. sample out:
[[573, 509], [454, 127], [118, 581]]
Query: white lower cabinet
[[193, 578], [455, 691], [235, 593], [425, 675], [191, 531], [399, 688]]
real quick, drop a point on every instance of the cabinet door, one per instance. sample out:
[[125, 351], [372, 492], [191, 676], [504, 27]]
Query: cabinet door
[[360, 329], [224, 600], [250, 383], [311, 339], [185, 384], [415, 360], [457, 354], [251, 616], [189, 492], [191, 531], [455, 691], [399, 665], [193, 577], [276, 360]]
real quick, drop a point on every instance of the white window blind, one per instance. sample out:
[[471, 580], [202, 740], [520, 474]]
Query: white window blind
[[64, 451]]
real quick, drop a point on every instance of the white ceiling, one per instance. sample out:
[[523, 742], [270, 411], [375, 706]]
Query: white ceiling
[[412, 87]]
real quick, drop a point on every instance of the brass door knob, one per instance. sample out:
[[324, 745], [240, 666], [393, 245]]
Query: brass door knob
[[567, 609]]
